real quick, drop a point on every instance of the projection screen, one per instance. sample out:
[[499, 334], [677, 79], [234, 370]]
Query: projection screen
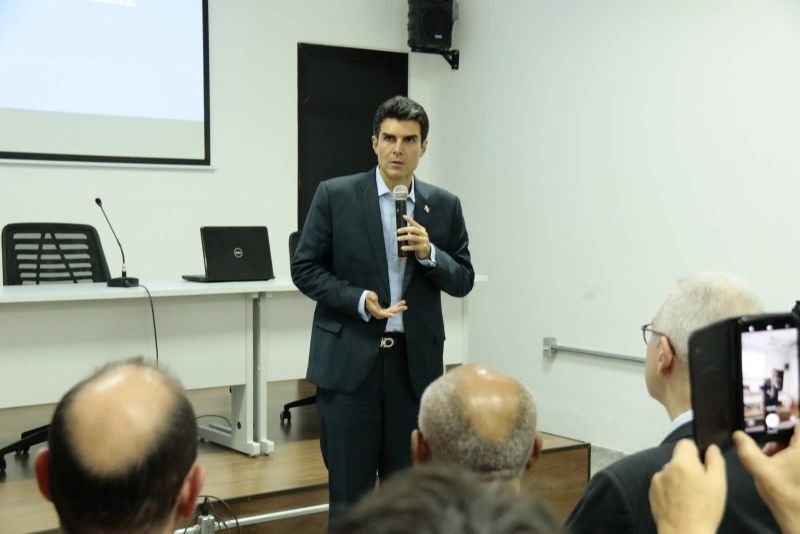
[[105, 81]]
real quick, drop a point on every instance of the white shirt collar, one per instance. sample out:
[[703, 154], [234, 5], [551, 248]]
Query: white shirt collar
[[383, 190], [681, 419]]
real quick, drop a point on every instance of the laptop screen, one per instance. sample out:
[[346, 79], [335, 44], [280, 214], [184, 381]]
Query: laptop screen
[[236, 253]]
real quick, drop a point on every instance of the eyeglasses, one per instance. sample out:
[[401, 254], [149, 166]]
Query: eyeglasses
[[648, 332]]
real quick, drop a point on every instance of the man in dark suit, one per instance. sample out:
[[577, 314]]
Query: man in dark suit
[[616, 499], [378, 334]]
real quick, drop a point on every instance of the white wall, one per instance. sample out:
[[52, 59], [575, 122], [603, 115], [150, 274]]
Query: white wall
[[602, 150]]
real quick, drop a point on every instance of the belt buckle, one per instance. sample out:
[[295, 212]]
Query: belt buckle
[[387, 342]]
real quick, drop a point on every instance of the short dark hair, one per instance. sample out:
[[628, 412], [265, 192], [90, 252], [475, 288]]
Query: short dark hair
[[440, 498], [137, 500], [401, 108]]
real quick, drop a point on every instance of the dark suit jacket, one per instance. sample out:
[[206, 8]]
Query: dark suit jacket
[[341, 253], [616, 499]]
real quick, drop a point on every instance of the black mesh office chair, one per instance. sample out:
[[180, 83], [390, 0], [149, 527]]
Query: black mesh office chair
[[40, 253], [286, 415], [45, 253]]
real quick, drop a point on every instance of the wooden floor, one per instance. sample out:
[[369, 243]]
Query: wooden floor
[[293, 476]]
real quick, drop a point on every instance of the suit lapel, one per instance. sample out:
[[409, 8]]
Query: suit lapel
[[372, 222]]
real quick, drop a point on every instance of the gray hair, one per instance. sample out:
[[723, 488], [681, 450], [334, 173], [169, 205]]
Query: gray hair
[[700, 300], [451, 435]]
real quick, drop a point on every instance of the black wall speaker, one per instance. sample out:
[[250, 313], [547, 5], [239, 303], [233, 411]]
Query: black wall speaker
[[430, 24]]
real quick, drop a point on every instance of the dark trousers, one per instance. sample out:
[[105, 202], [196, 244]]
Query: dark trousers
[[368, 431]]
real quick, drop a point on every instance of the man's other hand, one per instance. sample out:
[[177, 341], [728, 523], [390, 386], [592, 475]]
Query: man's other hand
[[777, 477], [376, 310]]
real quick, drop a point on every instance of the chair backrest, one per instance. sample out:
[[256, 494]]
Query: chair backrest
[[40, 253], [294, 238]]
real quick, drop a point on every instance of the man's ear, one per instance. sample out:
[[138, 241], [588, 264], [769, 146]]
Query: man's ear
[[666, 356], [42, 472], [192, 484], [420, 453], [535, 453], [375, 144], [424, 147]]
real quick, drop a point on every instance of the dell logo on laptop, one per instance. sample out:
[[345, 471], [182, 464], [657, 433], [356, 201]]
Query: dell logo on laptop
[[238, 252]]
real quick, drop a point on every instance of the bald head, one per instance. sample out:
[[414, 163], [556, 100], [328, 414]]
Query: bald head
[[479, 418], [117, 418], [121, 447]]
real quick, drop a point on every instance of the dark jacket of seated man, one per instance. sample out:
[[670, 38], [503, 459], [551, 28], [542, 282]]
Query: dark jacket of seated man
[[616, 499]]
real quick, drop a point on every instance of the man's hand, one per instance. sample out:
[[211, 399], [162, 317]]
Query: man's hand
[[374, 307], [416, 238], [777, 477], [686, 496]]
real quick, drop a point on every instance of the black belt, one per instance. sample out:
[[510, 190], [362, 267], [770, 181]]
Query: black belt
[[391, 339]]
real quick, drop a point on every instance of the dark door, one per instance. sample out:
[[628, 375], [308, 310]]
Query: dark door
[[338, 91]]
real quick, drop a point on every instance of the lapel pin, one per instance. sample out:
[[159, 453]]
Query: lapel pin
[[427, 209]]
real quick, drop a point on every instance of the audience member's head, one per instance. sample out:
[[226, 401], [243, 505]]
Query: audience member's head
[[695, 302], [480, 419], [442, 499], [121, 453]]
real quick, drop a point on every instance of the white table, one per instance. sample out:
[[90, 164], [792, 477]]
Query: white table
[[209, 335]]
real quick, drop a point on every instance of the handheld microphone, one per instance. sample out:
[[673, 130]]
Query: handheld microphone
[[400, 194], [124, 280]]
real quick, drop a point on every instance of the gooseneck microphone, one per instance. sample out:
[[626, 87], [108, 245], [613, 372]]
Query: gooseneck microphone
[[400, 194], [124, 280]]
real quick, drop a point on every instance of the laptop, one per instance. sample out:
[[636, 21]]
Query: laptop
[[234, 254]]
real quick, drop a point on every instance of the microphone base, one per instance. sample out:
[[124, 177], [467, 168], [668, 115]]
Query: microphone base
[[123, 281]]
